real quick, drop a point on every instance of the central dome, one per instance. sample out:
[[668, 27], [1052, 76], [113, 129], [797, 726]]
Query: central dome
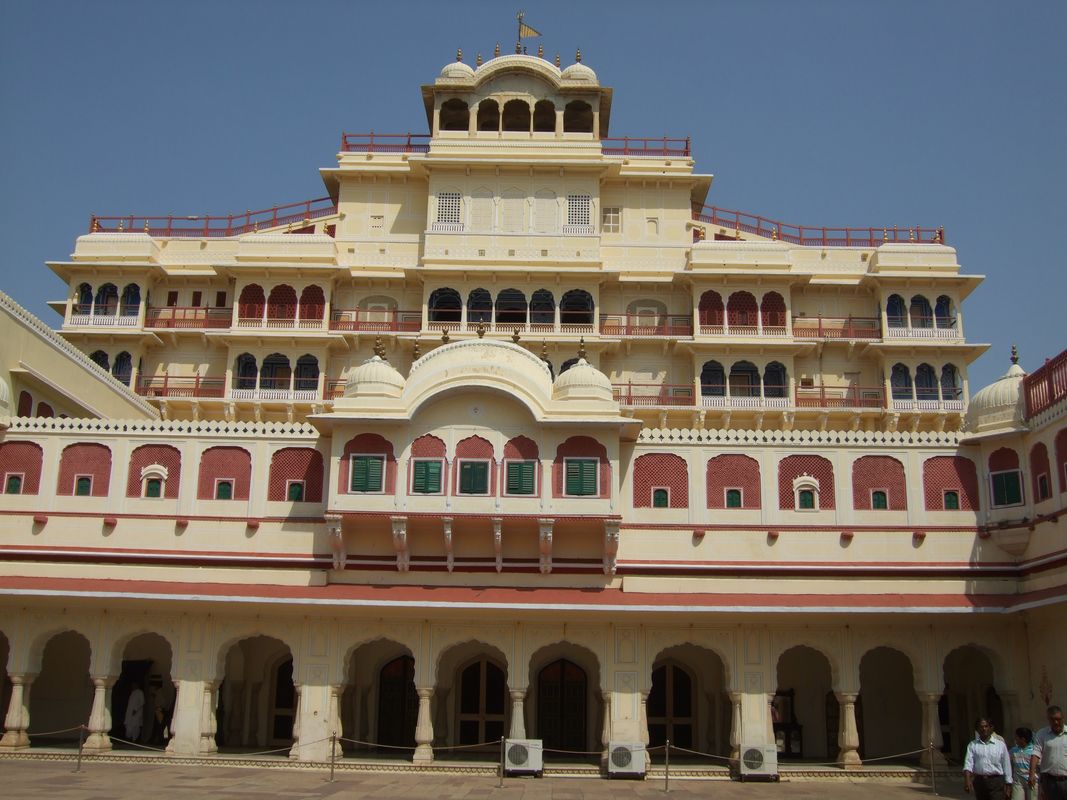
[[998, 405], [374, 377], [584, 381]]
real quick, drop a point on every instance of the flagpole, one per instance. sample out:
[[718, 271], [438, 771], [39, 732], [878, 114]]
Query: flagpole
[[519, 16]]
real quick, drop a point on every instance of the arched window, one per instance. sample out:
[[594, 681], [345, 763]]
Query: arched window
[[159, 462], [511, 307], [542, 308], [806, 497], [225, 474], [922, 316], [84, 470], [800, 473], [251, 303], [367, 465], [772, 311], [660, 474], [25, 407], [123, 369], [544, 117], [307, 374], [483, 695], [712, 312], [944, 314], [775, 380], [300, 467], [660, 498], [281, 305], [733, 498], [951, 387], [581, 469], [245, 372], [900, 382], [895, 312], [744, 380], [445, 305], [107, 300], [23, 460], [312, 303], [733, 481], [479, 306], [1039, 472], [455, 115], [45, 410], [101, 359], [275, 373], [950, 483], [516, 116], [878, 475], [1005, 478], [712, 380], [578, 117], [131, 300], [83, 303], [926, 387], [741, 311], [546, 212], [576, 308], [488, 116]]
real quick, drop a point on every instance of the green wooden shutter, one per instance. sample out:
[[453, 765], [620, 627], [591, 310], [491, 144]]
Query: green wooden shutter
[[574, 478], [589, 486], [359, 475], [296, 492], [153, 487], [466, 477], [418, 477], [660, 498], [433, 477], [582, 477], [83, 487], [375, 468], [520, 478], [952, 501]]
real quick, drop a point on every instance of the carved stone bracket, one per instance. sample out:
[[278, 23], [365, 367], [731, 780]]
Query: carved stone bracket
[[498, 543], [545, 541], [400, 542], [337, 540], [611, 545], [447, 523]]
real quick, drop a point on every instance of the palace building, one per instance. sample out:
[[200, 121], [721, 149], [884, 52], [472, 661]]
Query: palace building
[[515, 433]]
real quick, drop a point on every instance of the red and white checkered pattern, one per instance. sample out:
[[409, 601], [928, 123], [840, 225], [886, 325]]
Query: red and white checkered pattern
[[521, 448], [428, 446], [165, 456], [368, 444], [1039, 465], [792, 467], [878, 472], [950, 472], [232, 463], [1002, 459], [581, 447], [86, 458], [661, 470], [295, 464], [733, 471], [23, 458]]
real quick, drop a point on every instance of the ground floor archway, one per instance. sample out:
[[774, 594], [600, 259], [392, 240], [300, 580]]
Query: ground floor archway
[[688, 702], [62, 695], [888, 711], [257, 700], [145, 668], [379, 704], [970, 692], [807, 715]]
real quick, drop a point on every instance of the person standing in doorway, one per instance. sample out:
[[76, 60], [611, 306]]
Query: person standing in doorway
[[1050, 758], [134, 713], [987, 765], [1020, 764]]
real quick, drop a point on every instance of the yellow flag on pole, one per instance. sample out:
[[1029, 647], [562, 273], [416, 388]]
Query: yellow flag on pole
[[526, 32]]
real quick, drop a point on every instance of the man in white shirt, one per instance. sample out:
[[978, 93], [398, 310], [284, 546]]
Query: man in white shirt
[[1050, 755], [987, 765]]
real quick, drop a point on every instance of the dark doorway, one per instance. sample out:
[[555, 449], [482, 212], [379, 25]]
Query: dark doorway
[[670, 707], [398, 703], [561, 706]]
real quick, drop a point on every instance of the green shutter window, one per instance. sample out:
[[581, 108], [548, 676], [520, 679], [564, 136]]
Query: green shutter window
[[296, 491], [83, 487], [807, 498], [581, 477], [733, 498], [14, 484], [224, 490], [426, 477], [952, 500], [660, 498], [1043, 490], [1007, 489], [153, 487], [521, 477], [879, 501], [474, 477], [367, 473]]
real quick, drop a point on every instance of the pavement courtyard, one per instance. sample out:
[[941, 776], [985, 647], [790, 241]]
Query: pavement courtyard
[[102, 781]]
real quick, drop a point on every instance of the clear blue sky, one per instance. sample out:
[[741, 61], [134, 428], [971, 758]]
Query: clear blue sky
[[831, 112]]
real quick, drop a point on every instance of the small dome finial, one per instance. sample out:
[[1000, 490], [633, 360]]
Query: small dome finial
[[379, 348], [459, 54], [581, 347], [540, 51], [544, 350], [481, 330], [578, 56], [515, 336], [557, 60], [1014, 354], [478, 61], [415, 353], [496, 50], [518, 48], [444, 336]]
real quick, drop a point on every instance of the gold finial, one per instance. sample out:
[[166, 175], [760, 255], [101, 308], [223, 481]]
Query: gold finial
[[307, 221], [415, 352], [557, 60], [518, 48], [581, 348], [444, 336], [120, 226], [96, 226], [481, 329], [478, 61], [459, 55], [941, 234], [911, 234], [1014, 354], [289, 227], [379, 348], [544, 350], [578, 56], [515, 336], [496, 50], [255, 226], [885, 234], [774, 233], [540, 51], [146, 228]]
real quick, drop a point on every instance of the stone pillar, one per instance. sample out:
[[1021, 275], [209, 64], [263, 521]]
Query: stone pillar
[[294, 751], [770, 718], [518, 717], [336, 690], [605, 732], [735, 725], [424, 729], [99, 718], [931, 731], [848, 737], [208, 723], [17, 720], [642, 719]]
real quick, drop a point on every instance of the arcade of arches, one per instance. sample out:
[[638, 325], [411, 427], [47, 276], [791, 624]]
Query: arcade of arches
[[388, 700]]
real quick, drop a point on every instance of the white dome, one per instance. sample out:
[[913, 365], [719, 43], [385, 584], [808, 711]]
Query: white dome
[[999, 405], [582, 381], [374, 377], [579, 72], [456, 70]]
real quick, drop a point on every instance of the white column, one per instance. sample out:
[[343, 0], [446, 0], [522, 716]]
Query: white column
[[605, 732], [17, 719], [518, 718], [735, 725], [770, 718], [336, 690], [932, 731], [208, 723], [98, 739], [424, 729], [848, 737], [294, 752]]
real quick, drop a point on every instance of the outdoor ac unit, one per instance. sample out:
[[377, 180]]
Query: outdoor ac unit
[[759, 762], [626, 758], [523, 757]]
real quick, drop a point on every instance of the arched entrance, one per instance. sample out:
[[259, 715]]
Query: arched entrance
[[806, 708], [687, 701], [888, 712], [398, 703], [562, 705], [970, 693], [482, 703], [146, 664], [671, 706], [379, 704], [257, 700], [62, 694]]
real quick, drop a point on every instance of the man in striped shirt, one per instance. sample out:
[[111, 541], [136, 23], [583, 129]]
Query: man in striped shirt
[[1050, 754], [987, 765]]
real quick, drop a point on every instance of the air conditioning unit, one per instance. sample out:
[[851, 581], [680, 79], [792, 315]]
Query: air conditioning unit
[[523, 757], [759, 762], [626, 759]]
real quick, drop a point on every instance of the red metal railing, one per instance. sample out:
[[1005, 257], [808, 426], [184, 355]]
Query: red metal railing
[[166, 386], [385, 142], [627, 146], [812, 235], [837, 328], [194, 317], [208, 226], [650, 325], [1046, 385], [841, 397], [654, 394], [362, 319]]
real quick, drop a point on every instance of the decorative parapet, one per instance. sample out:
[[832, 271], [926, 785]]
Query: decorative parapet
[[291, 430], [696, 436]]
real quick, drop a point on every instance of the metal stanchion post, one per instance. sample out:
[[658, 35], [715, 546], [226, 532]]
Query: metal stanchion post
[[667, 767], [500, 771], [933, 780], [333, 752], [81, 743]]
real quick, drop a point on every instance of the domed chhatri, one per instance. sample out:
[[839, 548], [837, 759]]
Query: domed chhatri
[[583, 381], [999, 406], [375, 377]]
